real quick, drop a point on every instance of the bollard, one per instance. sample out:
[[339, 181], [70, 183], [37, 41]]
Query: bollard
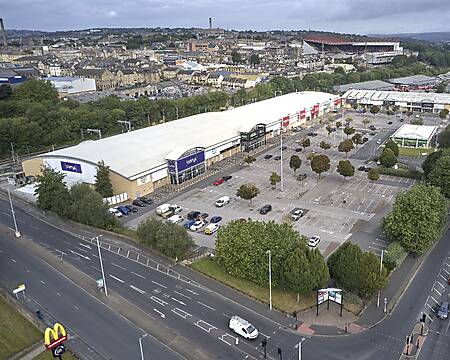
[[236, 341], [418, 343]]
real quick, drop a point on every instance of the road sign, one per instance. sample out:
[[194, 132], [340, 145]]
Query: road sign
[[55, 336], [57, 351], [20, 288]]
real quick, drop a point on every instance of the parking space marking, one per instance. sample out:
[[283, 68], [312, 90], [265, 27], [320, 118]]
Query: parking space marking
[[206, 306], [232, 340], [158, 300], [431, 297], [181, 313], [205, 326], [117, 279]]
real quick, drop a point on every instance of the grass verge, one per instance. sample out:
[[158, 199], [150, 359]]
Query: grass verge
[[16, 333], [47, 355], [407, 151]]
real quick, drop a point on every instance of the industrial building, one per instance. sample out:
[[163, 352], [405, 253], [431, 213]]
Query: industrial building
[[365, 85], [72, 85], [405, 101], [416, 136], [178, 151], [415, 83]]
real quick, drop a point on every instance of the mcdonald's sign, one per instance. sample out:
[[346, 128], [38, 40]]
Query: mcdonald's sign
[[54, 336]]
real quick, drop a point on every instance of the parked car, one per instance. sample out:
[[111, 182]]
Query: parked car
[[372, 127], [365, 139], [203, 216], [243, 327], [211, 228], [175, 219], [222, 201], [188, 224], [163, 208], [283, 148], [139, 203], [146, 200], [132, 208], [268, 156], [192, 215], [218, 182], [124, 210], [379, 142], [175, 208], [227, 177], [313, 241], [197, 225], [278, 157], [372, 134], [367, 169], [362, 168], [167, 214], [215, 219], [443, 310], [115, 212], [389, 123], [265, 209], [401, 120], [298, 149], [296, 213]]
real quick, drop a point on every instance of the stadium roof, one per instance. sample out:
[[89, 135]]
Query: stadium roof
[[416, 132], [135, 153]]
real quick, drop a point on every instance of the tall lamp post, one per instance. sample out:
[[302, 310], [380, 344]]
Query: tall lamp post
[[17, 233], [101, 265], [381, 269], [270, 278], [281, 154], [300, 348], [140, 345]]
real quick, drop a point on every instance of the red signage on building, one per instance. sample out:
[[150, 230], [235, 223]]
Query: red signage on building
[[303, 114], [285, 121]]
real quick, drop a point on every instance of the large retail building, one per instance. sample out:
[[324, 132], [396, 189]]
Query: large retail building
[[175, 152]]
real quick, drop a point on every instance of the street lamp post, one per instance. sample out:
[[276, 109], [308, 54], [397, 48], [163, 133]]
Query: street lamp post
[[381, 269], [300, 348], [270, 278], [140, 345], [101, 265], [281, 154], [16, 233]]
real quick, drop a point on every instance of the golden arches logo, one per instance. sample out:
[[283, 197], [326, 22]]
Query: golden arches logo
[[52, 337]]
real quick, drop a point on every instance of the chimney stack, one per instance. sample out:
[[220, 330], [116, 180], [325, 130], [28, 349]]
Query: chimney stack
[[2, 29], [210, 23]]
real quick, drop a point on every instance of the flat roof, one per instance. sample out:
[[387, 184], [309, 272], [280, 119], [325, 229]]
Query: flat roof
[[417, 97], [414, 80], [366, 85], [417, 132], [137, 152]]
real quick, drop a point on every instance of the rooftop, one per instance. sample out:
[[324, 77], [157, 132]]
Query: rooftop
[[419, 132], [365, 85], [414, 80], [417, 97]]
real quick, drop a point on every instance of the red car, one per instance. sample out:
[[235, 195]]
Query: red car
[[218, 182]]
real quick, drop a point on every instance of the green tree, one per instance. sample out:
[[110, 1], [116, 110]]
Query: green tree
[[306, 142], [373, 174], [52, 193], [274, 179], [417, 218], [146, 231], [442, 114], [249, 159], [329, 129], [35, 91], [321, 274], [366, 121], [320, 164], [345, 168], [430, 161], [324, 145], [388, 158], [5, 91], [247, 192], [391, 144], [295, 162], [338, 124], [173, 240], [236, 57], [346, 146], [297, 274], [348, 131], [440, 175], [348, 120], [102, 181], [444, 138], [254, 59], [417, 121], [374, 109], [357, 139]]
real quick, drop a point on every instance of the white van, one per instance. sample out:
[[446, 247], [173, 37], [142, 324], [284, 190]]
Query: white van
[[243, 327], [161, 209], [212, 228], [222, 201]]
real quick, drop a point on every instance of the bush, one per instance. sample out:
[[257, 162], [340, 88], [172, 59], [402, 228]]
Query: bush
[[394, 255], [401, 173], [388, 158]]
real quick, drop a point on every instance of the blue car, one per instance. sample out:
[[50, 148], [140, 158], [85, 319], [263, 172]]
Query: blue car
[[215, 219], [188, 223], [124, 210]]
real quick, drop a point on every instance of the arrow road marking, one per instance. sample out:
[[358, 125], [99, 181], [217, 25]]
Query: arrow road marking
[[160, 313], [116, 278], [80, 255], [178, 301], [137, 289]]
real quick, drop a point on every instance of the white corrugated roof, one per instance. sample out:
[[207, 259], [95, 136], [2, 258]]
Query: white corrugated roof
[[420, 132], [417, 97], [133, 153]]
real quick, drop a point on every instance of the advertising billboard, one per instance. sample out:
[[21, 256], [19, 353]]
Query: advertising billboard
[[331, 294], [72, 167], [190, 161], [171, 166]]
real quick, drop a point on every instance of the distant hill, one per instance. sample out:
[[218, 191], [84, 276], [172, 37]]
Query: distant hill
[[435, 37]]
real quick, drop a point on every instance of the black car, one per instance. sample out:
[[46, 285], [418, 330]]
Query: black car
[[401, 120], [312, 134], [227, 177], [364, 139], [372, 127], [362, 168], [278, 157], [203, 216], [367, 169], [139, 203], [298, 149], [283, 147], [132, 208], [193, 215], [268, 156], [265, 209], [146, 200], [372, 134], [390, 123]]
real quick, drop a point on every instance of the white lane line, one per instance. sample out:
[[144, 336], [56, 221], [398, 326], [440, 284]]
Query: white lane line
[[120, 267], [80, 255], [86, 246], [231, 343], [43, 283], [204, 326], [434, 289], [137, 289], [437, 282], [437, 302], [206, 306], [442, 276], [81, 249], [187, 297], [160, 313], [76, 307], [142, 277], [116, 278], [95, 256], [446, 271], [266, 336], [178, 301], [95, 268], [191, 291], [13, 260], [181, 313], [58, 294], [157, 283], [158, 300]]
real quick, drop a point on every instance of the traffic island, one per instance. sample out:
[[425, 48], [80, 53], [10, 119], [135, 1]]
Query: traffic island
[[415, 341]]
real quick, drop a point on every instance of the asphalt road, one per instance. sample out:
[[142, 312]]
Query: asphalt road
[[112, 336]]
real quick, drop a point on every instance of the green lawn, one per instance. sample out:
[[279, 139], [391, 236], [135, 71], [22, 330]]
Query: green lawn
[[16, 333], [47, 355], [407, 151]]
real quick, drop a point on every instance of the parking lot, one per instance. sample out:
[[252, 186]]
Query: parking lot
[[332, 206]]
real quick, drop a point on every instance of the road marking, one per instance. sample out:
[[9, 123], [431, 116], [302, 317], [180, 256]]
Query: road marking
[[446, 271], [187, 297], [222, 338], [434, 289], [207, 328], [95, 268], [13, 260], [120, 267], [158, 300], [178, 301], [58, 294], [80, 255], [181, 313], [160, 313], [76, 307], [206, 306], [437, 282], [86, 246], [142, 277], [116, 278], [95, 256], [81, 249], [437, 302], [442, 276], [191, 291], [43, 283], [137, 289], [157, 283]]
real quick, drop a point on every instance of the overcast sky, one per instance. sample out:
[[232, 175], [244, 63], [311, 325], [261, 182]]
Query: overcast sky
[[352, 16]]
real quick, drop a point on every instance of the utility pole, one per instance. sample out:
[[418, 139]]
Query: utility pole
[[16, 233], [270, 278], [140, 345], [281, 159], [101, 265]]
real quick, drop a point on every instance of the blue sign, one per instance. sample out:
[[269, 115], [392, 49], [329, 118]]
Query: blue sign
[[171, 166], [67, 166], [190, 161]]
